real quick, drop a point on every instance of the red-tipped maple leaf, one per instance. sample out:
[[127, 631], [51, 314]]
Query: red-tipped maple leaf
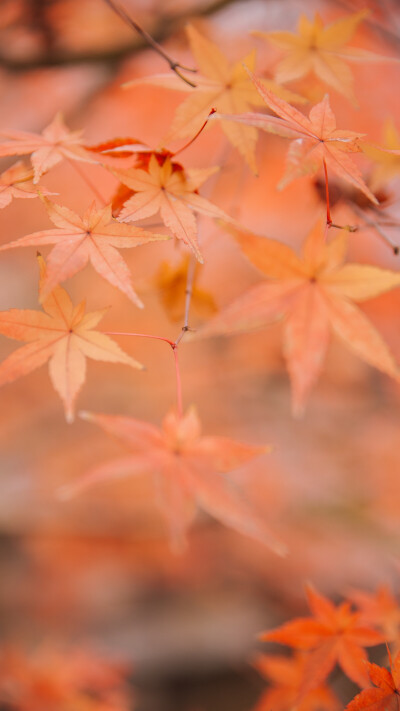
[[333, 635], [16, 182], [65, 335], [188, 468], [386, 696], [316, 294], [55, 144], [51, 679], [162, 185], [285, 676], [220, 85], [93, 237], [316, 139]]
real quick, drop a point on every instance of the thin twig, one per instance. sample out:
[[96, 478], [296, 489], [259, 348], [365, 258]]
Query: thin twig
[[139, 335], [377, 228], [88, 182], [175, 66], [178, 382]]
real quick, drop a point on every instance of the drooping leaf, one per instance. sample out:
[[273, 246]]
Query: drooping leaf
[[62, 334], [316, 139], [188, 468]]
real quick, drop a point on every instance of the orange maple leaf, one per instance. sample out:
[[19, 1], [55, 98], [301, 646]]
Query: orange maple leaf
[[386, 696], [220, 85], [315, 294], [164, 186], [187, 467], [321, 49], [16, 182], [93, 237], [286, 675], [51, 678], [380, 609], [334, 635], [64, 334], [317, 141], [55, 144]]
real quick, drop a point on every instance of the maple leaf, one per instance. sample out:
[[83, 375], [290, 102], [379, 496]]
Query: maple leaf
[[51, 678], [286, 675], [171, 283], [16, 182], [167, 188], [332, 635], [47, 149], [386, 158], [93, 237], [188, 469], [316, 142], [63, 334], [316, 294], [380, 609], [321, 49], [219, 85], [385, 695]]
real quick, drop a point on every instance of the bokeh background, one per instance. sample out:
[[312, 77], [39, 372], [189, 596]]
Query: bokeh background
[[97, 572]]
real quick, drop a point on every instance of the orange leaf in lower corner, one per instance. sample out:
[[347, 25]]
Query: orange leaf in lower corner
[[385, 697], [333, 635], [188, 469], [65, 336]]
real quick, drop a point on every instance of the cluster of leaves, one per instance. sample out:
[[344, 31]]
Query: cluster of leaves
[[315, 294]]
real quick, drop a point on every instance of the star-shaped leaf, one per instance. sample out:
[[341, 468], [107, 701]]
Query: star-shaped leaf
[[316, 139], [188, 468], [316, 295], [285, 676], [53, 145], [16, 182], [220, 85], [385, 694], [333, 635], [62, 334], [322, 50], [164, 186], [78, 240]]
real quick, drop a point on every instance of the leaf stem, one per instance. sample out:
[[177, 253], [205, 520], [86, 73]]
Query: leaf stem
[[175, 66], [213, 111], [139, 335], [178, 382], [88, 182]]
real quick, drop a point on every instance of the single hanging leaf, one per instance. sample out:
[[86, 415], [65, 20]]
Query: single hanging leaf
[[53, 145], [219, 85], [385, 694], [315, 294], [94, 237], [188, 468], [163, 186], [333, 635], [62, 334], [285, 676], [316, 139], [16, 182], [322, 50]]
